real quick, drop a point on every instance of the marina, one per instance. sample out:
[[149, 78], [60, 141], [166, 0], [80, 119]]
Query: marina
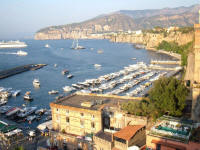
[[113, 78]]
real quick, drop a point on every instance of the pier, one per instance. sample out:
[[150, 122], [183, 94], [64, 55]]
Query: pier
[[166, 62], [20, 69]]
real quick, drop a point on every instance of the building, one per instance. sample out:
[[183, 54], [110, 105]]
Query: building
[[170, 133], [130, 136], [80, 115]]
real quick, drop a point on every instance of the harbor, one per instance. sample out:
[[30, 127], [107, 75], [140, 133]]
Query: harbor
[[91, 72]]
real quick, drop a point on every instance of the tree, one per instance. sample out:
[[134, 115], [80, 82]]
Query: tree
[[168, 96]]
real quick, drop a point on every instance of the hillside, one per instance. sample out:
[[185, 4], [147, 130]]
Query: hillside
[[123, 20]]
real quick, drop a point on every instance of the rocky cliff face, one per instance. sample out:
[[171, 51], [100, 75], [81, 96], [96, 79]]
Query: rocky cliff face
[[152, 40]]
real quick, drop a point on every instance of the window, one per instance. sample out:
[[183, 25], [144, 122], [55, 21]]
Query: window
[[82, 114], [93, 116], [67, 119], [56, 109], [93, 125], [82, 123], [67, 111], [158, 147]]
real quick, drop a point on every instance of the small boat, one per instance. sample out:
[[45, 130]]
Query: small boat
[[36, 82], [70, 76], [27, 96], [40, 111], [68, 88], [55, 65], [26, 111], [65, 72], [133, 58], [97, 65], [13, 111], [100, 51], [31, 118], [76, 46], [3, 101], [22, 53], [53, 92], [16, 93], [4, 109], [47, 46]]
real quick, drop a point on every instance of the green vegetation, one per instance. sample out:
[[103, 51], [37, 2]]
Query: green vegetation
[[186, 29], [167, 96], [19, 148], [180, 49]]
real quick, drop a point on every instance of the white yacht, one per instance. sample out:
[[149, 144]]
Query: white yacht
[[27, 96], [47, 46], [15, 93], [22, 53], [53, 92], [12, 44], [36, 82], [97, 65], [68, 88], [31, 118]]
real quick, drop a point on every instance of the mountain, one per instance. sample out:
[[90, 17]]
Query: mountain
[[123, 20]]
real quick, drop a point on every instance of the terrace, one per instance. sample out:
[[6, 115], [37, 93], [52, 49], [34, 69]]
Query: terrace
[[172, 128]]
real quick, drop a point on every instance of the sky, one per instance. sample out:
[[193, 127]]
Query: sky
[[22, 18]]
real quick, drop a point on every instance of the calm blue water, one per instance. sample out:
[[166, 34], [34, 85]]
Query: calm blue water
[[80, 63]]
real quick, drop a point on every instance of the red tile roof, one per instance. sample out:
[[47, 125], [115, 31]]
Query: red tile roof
[[128, 132], [169, 145]]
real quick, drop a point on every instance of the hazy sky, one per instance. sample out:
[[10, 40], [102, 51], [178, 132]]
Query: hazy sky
[[21, 18]]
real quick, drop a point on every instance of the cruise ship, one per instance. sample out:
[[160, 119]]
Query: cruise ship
[[12, 44]]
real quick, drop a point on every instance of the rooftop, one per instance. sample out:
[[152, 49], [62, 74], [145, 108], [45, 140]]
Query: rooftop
[[177, 129], [104, 135], [128, 132], [92, 101]]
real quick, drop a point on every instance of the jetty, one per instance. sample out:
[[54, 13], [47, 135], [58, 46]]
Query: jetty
[[166, 62], [20, 69]]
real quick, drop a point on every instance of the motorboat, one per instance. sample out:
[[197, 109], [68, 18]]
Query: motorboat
[[97, 65], [26, 111], [16, 93], [68, 88], [53, 92], [40, 111], [4, 109], [3, 101], [100, 51], [70, 76], [27, 96], [47, 46], [22, 53], [13, 111], [36, 82], [31, 118], [59, 97], [65, 72]]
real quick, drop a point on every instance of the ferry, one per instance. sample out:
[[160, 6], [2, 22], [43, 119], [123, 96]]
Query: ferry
[[36, 82], [12, 44]]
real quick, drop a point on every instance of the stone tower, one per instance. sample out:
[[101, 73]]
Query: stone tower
[[196, 78]]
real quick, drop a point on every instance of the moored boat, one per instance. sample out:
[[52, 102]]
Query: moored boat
[[53, 92], [70, 76], [36, 82], [27, 96], [26, 111]]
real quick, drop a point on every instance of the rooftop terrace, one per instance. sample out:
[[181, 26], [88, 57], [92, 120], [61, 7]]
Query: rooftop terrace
[[92, 101], [172, 128]]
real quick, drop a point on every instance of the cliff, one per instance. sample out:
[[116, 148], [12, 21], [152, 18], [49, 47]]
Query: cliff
[[152, 40], [122, 21]]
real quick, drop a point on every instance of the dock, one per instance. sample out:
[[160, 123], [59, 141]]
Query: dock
[[166, 62], [20, 69]]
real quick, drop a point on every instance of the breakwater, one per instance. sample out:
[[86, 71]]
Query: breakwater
[[20, 69]]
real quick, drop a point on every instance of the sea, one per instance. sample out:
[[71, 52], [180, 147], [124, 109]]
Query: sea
[[58, 57]]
